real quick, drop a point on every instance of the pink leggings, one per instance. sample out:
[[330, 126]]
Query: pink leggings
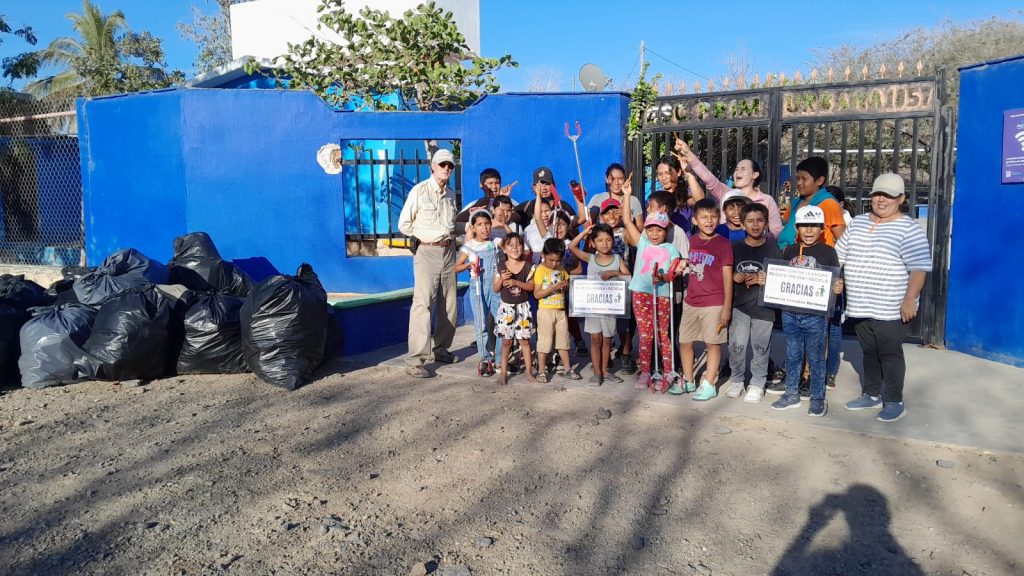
[[643, 309]]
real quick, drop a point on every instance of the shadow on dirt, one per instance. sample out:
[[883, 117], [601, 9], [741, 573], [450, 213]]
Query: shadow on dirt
[[871, 549]]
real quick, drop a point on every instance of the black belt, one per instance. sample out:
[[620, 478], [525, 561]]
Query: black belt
[[442, 243]]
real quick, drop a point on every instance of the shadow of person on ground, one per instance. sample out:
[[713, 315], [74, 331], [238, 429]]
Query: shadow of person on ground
[[871, 548]]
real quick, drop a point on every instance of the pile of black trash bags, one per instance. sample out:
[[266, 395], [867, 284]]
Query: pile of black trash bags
[[135, 318]]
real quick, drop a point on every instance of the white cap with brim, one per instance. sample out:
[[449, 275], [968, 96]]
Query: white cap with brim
[[735, 196], [810, 216], [442, 155], [889, 184]]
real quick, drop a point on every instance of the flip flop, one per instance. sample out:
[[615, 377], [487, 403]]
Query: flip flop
[[572, 375], [542, 378]]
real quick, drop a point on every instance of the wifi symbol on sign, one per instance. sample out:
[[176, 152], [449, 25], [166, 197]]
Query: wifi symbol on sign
[[1020, 139]]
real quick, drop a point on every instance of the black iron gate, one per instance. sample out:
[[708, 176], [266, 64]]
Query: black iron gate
[[862, 128]]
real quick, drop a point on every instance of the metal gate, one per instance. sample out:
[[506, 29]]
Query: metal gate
[[862, 128], [41, 214]]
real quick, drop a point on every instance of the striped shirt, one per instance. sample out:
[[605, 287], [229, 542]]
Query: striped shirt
[[877, 261]]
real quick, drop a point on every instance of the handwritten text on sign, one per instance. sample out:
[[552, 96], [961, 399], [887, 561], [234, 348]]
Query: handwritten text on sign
[[598, 297], [792, 287]]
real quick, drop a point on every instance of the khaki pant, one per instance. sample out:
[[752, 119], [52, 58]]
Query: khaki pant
[[434, 285], [552, 328]]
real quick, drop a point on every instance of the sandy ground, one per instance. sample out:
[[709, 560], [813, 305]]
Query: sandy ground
[[366, 471]]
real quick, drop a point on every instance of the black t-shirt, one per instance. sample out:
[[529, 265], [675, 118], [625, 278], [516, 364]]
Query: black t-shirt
[[815, 256], [750, 259], [515, 294]]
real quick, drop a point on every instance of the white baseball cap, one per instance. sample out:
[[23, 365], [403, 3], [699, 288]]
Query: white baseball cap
[[734, 195], [889, 184], [442, 155], [809, 215]]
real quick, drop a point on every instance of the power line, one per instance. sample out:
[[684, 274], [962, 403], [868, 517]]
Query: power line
[[625, 81], [680, 66]]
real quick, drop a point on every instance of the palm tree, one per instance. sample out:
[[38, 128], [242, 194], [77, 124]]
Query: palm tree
[[94, 49]]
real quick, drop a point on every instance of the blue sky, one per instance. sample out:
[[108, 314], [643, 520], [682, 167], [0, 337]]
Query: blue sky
[[552, 39]]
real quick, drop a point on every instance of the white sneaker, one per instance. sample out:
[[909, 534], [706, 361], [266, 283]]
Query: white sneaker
[[754, 395], [734, 390]]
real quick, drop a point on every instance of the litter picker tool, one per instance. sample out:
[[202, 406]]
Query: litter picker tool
[[656, 378], [575, 147]]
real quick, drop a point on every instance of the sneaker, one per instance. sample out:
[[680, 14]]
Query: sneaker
[[818, 408], [805, 389], [706, 391], [445, 357], [830, 381], [892, 411], [689, 386], [786, 401], [777, 387], [581, 349], [596, 380], [863, 403], [754, 395], [777, 375], [676, 389], [642, 381], [613, 378], [735, 390], [628, 366], [417, 371]]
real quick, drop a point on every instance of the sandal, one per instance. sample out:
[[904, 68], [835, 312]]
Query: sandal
[[572, 375], [541, 377]]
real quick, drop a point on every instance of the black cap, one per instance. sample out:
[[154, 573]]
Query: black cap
[[543, 174]]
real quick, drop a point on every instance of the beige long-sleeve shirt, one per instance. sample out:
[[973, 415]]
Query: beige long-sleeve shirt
[[429, 212]]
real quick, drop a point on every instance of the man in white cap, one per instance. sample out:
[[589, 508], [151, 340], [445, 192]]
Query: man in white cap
[[429, 216], [886, 257]]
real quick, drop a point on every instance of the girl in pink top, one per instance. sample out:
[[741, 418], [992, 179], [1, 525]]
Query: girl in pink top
[[746, 177]]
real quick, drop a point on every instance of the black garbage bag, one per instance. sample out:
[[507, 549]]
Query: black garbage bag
[[51, 343], [21, 293], [213, 335], [62, 291], [133, 337], [121, 271], [197, 265], [11, 320], [284, 327]]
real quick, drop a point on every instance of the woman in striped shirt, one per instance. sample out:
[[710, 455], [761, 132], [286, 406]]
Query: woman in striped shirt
[[885, 257]]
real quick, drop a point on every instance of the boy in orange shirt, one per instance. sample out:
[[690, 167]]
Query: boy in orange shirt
[[811, 175]]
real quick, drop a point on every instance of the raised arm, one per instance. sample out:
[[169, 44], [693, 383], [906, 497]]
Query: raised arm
[[632, 232], [574, 247], [542, 227], [714, 186]]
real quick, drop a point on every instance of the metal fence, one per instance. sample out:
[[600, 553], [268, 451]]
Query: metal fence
[[863, 128], [376, 179], [41, 183]]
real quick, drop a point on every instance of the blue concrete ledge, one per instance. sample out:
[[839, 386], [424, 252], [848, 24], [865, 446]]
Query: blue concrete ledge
[[367, 322]]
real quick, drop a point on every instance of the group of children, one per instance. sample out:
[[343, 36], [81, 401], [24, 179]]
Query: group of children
[[703, 287]]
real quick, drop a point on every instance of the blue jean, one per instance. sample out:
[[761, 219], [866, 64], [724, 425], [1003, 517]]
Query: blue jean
[[484, 301], [835, 345], [805, 336]]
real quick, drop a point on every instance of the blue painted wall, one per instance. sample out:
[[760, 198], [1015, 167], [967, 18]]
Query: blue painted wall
[[985, 317], [240, 164]]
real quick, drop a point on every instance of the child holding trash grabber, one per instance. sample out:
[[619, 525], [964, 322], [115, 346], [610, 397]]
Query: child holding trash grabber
[[657, 264], [480, 256], [602, 265]]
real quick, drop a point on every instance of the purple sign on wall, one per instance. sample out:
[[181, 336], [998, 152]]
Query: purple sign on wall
[[1013, 146]]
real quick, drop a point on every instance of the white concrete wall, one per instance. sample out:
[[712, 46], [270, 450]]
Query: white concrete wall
[[264, 28]]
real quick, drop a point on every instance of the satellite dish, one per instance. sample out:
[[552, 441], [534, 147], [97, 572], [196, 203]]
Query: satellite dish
[[592, 78]]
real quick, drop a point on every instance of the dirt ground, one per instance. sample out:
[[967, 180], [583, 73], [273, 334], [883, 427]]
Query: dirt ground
[[369, 472]]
